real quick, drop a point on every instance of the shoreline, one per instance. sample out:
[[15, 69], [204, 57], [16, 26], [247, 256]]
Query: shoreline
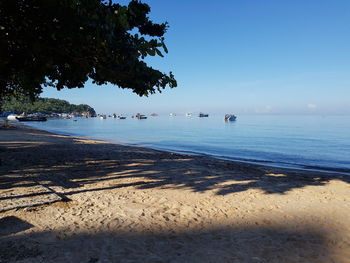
[[83, 200], [264, 163]]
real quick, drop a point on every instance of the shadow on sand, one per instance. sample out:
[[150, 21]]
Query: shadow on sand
[[221, 244]]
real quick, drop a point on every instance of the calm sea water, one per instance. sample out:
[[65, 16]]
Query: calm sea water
[[308, 142]]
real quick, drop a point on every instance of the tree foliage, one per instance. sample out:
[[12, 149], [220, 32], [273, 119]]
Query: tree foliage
[[63, 43], [45, 105]]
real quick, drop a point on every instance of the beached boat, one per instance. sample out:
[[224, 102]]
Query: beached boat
[[230, 117], [31, 118], [201, 115]]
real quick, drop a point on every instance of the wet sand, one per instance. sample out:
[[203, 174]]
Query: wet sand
[[72, 199]]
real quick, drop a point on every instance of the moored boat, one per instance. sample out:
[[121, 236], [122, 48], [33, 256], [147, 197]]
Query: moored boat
[[201, 115], [230, 117], [140, 116], [12, 117], [31, 118]]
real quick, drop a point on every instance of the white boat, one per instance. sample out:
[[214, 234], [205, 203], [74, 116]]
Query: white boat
[[188, 114], [172, 114], [230, 117], [12, 117]]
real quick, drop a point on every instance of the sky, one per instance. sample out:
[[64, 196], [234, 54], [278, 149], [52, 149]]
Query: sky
[[242, 57]]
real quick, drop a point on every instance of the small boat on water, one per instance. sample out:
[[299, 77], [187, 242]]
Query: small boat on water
[[230, 117], [12, 117], [103, 117], [201, 115], [188, 114], [31, 118], [172, 114], [119, 117], [140, 116], [154, 114]]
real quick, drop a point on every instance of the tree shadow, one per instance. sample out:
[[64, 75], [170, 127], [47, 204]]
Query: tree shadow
[[12, 224], [71, 165], [283, 243]]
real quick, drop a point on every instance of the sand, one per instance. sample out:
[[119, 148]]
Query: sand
[[82, 200]]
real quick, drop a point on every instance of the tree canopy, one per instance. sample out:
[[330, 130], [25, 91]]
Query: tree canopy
[[63, 43], [45, 105]]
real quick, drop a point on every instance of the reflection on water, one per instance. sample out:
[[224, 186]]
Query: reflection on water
[[321, 142]]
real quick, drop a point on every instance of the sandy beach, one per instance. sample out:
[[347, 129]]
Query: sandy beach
[[72, 199]]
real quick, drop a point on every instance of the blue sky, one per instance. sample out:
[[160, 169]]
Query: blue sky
[[243, 57]]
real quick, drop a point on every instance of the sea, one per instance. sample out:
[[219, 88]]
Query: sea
[[310, 142]]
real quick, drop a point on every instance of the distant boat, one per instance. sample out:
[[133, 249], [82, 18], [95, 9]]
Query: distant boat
[[31, 118], [140, 116], [121, 117], [12, 117], [188, 114], [201, 115], [230, 117], [172, 114], [154, 114], [103, 117]]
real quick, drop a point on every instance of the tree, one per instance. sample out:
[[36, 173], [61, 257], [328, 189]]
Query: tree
[[63, 43], [45, 105]]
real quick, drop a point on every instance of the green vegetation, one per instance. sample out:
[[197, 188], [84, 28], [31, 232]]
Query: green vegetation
[[45, 105], [65, 43]]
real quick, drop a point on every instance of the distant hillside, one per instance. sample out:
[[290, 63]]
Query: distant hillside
[[47, 106]]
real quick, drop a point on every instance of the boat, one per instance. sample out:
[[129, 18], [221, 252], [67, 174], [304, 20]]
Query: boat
[[188, 114], [140, 116], [121, 117], [12, 117], [172, 114], [103, 117], [201, 115], [230, 117], [31, 118], [154, 114]]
